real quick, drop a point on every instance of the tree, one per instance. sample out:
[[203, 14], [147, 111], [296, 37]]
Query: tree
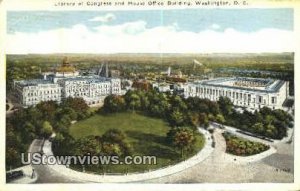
[[271, 131], [178, 102], [145, 102], [176, 118], [28, 133], [258, 128], [67, 111], [13, 139], [257, 117], [213, 107], [113, 136], [12, 157], [133, 100], [111, 149], [269, 119], [225, 105], [34, 114], [193, 118], [113, 139], [265, 111], [182, 138], [203, 108], [77, 104], [220, 119], [114, 103], [47, 129], [87, 145], [58, 139], [192, 103], [47, 109], [158, 103], [203, 120]]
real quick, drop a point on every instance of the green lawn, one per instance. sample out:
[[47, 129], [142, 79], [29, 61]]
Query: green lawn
[[145, 134]]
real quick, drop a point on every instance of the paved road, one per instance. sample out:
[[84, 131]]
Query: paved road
[[135, 177], [214, 169], [46, 174]]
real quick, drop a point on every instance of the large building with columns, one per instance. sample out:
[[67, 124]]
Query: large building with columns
[[253, 93], [63, 83]]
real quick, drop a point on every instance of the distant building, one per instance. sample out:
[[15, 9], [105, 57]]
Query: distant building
[[141, 85], [163, 87], [115, 74], [66, 82], [253, 93]]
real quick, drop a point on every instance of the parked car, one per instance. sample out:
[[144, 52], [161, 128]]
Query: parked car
[[14, 175]]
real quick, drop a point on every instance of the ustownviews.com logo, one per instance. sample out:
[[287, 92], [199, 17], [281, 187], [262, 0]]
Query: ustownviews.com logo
[[41, 159]]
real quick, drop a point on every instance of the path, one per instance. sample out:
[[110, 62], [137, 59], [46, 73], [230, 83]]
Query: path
[[218, 169], [211, 166]]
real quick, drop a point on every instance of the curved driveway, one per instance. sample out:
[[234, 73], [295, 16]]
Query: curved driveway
[[216, 168]]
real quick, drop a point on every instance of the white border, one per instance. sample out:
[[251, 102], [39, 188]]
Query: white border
[[48, 5]]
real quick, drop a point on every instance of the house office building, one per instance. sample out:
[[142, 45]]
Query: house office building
[[252, 93]]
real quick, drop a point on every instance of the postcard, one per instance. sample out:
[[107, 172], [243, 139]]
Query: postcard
[[154, 95]]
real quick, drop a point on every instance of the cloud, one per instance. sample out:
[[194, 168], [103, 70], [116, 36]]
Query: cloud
[[132, 28], [136, 37], [104, 19], [215, 26]]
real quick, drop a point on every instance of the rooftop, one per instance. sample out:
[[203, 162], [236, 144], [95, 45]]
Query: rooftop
[[33, 82], [253, 84], [88, 79]]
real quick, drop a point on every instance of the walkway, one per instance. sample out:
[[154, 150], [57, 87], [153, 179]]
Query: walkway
[[209, 165], [218, 168], [135, 177]]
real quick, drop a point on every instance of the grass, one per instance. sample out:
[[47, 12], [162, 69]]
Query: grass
[[145, 134]]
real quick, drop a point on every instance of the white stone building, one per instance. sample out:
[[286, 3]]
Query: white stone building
[[31, 92], [63, 83], [93, 89], [252, 93]]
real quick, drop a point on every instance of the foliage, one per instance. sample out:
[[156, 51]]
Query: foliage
[[87, 145], [182, 138], [145, 135], [77, 104], [265, 122], [114, 103], [243, 147], [46, 117], [115, 142], [47, 129], [226, 105], [195, 111]]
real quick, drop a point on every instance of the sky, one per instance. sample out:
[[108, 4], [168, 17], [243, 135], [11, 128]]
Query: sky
[[151, 31]]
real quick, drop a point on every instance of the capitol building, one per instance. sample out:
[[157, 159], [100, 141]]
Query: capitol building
[[252, 93], [66, 82]]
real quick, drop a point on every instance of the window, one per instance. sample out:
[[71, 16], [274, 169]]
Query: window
[[273, 100], [259, 99]]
